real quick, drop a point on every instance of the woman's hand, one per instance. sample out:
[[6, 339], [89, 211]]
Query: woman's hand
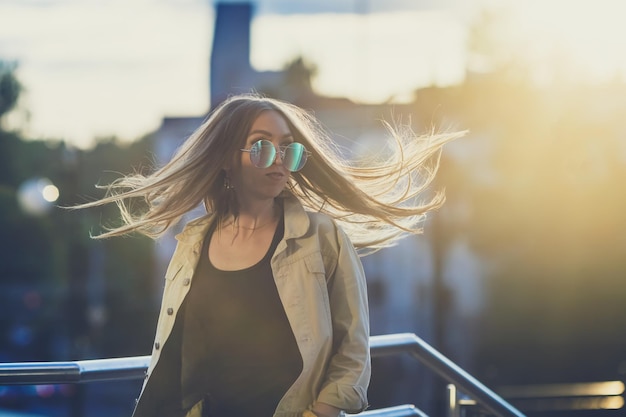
[[322, 410]]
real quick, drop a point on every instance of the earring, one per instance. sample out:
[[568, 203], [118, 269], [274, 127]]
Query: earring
[[227, 184]]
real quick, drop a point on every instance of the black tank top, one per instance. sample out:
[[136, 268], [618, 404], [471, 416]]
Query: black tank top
[[238, 349]]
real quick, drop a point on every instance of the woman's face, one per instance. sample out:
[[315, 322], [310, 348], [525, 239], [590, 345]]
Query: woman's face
[[252, 183]]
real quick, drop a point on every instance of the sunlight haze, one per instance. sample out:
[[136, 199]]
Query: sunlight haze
[[96, 69]]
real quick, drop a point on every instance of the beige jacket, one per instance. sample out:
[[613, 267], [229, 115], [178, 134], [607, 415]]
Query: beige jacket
[[322, 286]]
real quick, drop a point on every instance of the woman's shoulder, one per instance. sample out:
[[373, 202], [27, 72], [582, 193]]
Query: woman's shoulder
[[318, 218], [306, 222], [326, 228], [322, 222], [196, 227]]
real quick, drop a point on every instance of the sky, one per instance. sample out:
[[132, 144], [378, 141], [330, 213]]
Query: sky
[[102, 68]]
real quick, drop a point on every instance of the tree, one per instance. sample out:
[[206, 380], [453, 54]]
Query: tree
[[10, 87], [543, 207], [50, 257]]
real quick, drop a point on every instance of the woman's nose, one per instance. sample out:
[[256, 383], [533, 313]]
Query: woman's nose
[[279, 156]]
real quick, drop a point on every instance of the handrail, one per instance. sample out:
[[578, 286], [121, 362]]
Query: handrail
[[397, 411], [34, 373], [72, 372], [408, 342]]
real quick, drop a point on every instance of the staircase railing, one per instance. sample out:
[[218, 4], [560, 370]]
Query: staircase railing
[[448, 370], [35, 373]]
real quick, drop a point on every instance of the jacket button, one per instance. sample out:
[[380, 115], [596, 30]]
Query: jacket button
[[170, 311], [157, 345], [187, 281]]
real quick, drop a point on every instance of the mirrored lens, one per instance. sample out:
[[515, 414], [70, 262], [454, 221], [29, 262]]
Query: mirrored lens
[[262, 154], [294, 157]]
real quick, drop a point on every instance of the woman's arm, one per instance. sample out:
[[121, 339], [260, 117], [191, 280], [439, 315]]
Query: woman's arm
[[325, 410], [348, 374]]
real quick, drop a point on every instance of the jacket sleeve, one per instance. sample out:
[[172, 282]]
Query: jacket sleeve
[[349, 369]]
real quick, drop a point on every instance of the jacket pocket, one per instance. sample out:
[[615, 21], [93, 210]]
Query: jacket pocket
[[315, 264], [315, 268], [173, 271]]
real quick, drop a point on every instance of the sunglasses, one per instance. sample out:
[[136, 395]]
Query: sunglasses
[[263, 154]]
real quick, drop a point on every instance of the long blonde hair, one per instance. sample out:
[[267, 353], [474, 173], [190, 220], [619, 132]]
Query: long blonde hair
[[376, 203]]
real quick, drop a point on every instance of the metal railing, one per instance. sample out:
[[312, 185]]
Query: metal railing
[[397, 411], [34, 373], [444, 367]]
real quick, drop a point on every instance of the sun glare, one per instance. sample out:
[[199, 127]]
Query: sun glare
[[581, 41], [369, 58], [84, 79]]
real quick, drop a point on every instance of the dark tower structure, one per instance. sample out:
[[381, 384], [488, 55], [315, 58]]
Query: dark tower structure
[[231, 72], [230, 57]]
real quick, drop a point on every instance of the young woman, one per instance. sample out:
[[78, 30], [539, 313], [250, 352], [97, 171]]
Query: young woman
[[264, 310]]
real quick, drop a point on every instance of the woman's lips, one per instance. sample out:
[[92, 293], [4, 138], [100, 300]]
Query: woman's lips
[[276, 175]]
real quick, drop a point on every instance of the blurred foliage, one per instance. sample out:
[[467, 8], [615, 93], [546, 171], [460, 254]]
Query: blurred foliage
[[49, 257], [537, 190], [296, 85], [10, 87], [540, 192]]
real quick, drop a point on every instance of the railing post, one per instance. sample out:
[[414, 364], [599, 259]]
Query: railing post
[[433, 359], [452, 409]]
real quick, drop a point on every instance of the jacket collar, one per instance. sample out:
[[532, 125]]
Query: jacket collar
[[296, 218], [296, 222]]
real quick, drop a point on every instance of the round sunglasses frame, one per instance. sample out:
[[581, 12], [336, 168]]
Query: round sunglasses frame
[[258, 147]]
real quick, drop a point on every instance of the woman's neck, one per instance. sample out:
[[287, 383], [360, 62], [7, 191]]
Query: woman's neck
[[255, 216]]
